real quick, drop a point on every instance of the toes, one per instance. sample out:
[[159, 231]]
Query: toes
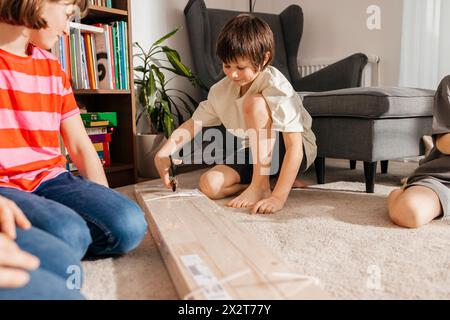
[[249, 204], [230, 203], [233, 204]]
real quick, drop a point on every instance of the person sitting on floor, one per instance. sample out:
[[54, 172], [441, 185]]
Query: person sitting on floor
[[34, 264], [255, 102], [426, 194], [37, 104]]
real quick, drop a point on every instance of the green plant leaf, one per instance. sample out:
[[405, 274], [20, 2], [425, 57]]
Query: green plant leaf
[[177, 112], [168, 120], [154, 91], [151, 89], [164, 38], [174, 59], [160, 75], [143, 97], [156, 118], [167, 49], [178, 73], [140, 69]]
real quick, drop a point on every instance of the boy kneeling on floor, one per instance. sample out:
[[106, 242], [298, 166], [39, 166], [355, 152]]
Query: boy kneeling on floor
[[255, 102]]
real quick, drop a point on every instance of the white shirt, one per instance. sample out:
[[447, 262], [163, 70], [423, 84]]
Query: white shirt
[[225, 106]]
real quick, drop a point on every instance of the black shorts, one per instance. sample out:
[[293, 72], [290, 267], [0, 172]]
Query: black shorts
[[241, 161]]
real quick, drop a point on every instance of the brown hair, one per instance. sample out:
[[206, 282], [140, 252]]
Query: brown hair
[[28, 13], [248, 37]]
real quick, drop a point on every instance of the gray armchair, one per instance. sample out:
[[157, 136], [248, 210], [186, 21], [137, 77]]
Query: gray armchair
[[204, 26]]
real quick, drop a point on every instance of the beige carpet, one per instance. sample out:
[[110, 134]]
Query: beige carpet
[[334, 232]]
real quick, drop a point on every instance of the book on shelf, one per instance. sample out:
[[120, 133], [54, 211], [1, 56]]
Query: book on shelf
[[99, 130], [99, 127], [85, 27], [109, 118], [96, 56], [101, 3], [100, 123]]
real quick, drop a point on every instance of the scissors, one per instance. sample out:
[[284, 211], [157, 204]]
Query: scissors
[[172, 174]]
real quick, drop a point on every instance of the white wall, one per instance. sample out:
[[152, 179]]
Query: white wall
[[155, 18], [335, 29]]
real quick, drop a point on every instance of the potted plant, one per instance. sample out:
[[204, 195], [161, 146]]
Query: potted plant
[[164, 107]]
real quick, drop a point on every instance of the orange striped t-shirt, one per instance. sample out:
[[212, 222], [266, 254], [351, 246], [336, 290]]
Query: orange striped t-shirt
[[35, 97]]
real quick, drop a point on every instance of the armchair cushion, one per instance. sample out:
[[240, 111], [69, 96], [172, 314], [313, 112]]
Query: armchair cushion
[[371, 103]]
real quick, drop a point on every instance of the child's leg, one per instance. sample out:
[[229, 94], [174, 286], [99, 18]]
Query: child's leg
[[220, 182], [53, 218], [413, 207], [117, 224], [57, 264], [298, 183], [55, 255], [262, 140], [43, 285]]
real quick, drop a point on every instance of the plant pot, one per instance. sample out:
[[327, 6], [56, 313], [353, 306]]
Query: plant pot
[[147, 145]]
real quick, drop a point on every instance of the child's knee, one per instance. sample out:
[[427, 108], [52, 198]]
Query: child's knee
[[127, 229], [255, 105], [74, 231], [211, 185], [405, 213], [393, 196]]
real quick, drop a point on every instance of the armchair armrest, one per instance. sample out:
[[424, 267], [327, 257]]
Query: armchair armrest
[[345, 73]]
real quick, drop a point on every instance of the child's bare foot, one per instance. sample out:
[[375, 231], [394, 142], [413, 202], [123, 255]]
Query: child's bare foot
[[249, 197], [299, 184]]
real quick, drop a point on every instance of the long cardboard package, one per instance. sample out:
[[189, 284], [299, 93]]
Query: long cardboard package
[[210, 257]]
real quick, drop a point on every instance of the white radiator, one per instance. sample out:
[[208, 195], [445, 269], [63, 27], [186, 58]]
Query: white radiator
[[370, 76]]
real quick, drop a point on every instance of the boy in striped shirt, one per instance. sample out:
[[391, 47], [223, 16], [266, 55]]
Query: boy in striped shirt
[[73, 215]]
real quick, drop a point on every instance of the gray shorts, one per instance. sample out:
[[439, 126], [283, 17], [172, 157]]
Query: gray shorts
[[440, 188]]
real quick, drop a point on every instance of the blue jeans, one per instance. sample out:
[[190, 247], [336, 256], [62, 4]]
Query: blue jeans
[[89, 217], [49, 282]]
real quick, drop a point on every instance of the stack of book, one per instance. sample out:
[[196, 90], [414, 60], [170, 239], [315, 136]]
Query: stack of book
[[101, 3], [95, 57], [99, 127]]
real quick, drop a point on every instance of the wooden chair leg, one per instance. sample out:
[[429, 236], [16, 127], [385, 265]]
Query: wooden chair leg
[[370, 170], [384, 166], [320, 170], [352, 164]]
